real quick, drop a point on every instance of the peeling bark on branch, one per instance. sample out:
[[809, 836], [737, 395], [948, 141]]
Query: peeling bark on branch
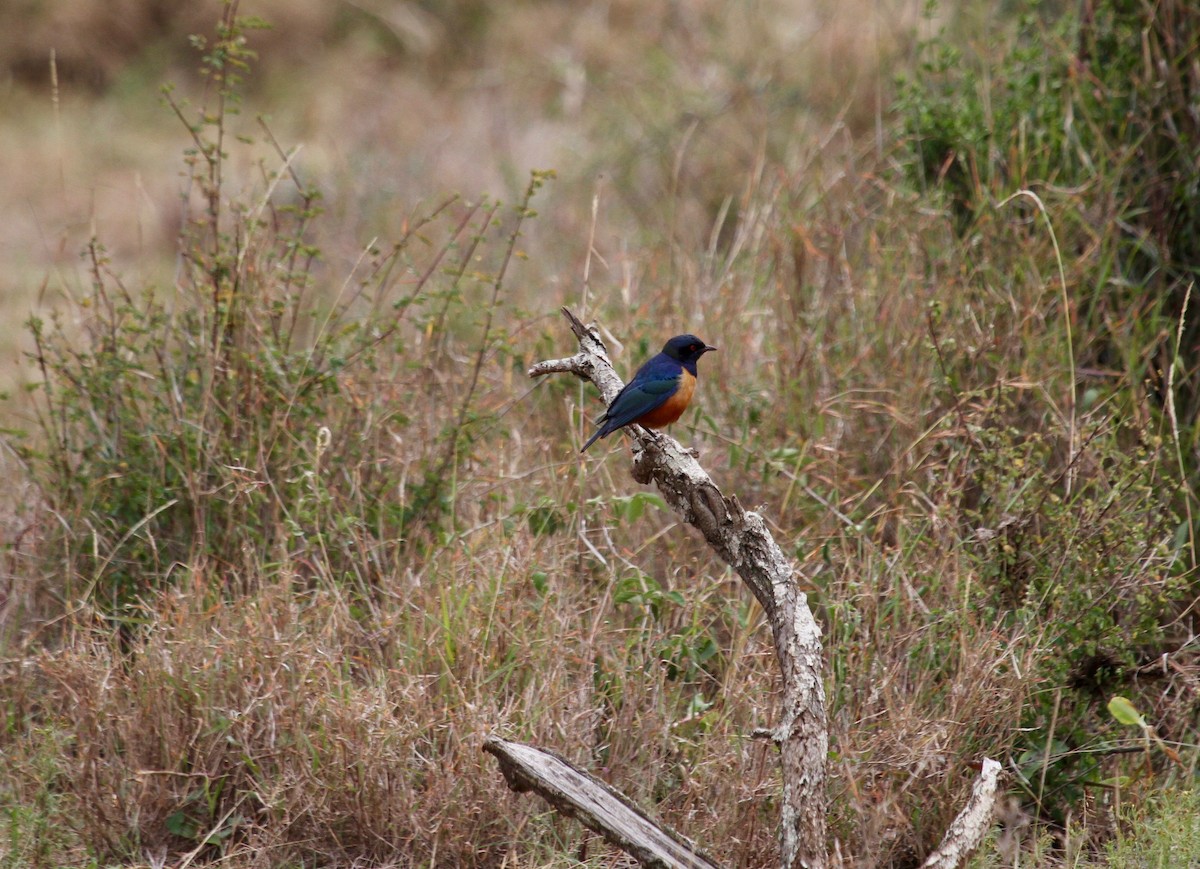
[[741, 538], [594, 804], [972, 823]]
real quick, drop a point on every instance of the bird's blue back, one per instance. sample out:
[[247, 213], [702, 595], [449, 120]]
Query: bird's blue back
[[659, 392], [655, 382]]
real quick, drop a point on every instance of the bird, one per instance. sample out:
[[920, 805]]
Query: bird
[[659, 392]]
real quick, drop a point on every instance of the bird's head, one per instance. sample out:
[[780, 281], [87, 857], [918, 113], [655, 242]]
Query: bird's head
[[686, 349]]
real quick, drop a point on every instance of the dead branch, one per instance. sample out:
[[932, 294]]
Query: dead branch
[[972, 823], [595, 804], [741, 538]]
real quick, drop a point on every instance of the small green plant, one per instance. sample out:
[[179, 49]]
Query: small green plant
[[1164, 832], [221, 418], [1077, 553]]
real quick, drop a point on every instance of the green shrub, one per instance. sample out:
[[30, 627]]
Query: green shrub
[[1077, 557], [1165, 832], [237, 417], [1095, 111]]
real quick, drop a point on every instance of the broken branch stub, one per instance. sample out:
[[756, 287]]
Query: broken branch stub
[[968, 829], [595, 804]]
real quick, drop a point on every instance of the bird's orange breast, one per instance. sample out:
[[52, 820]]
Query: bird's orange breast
[[673, 408]]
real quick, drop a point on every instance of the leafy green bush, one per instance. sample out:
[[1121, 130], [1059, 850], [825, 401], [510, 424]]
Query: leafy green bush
[[1076, 527], [1095, 111], [237, 416], [1077, 557]]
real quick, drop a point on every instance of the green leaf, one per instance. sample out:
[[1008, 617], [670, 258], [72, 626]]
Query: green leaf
[[178, 824], [1122, 710]]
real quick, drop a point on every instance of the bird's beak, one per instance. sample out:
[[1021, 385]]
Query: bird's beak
[[707, 348]]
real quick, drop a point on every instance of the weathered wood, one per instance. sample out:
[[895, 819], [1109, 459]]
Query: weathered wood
[[741, 538], [594, 804], [968, 829]]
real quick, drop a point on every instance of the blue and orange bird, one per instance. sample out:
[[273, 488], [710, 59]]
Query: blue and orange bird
[[660, 391]]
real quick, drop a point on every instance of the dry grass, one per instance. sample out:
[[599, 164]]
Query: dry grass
[[320, 645]]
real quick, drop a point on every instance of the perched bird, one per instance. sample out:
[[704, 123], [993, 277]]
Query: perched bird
[[660, 391]]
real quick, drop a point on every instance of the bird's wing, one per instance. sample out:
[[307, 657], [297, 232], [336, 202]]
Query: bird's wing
[[640, 396]]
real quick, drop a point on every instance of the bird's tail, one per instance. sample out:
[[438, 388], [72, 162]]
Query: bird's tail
[[600, 432]]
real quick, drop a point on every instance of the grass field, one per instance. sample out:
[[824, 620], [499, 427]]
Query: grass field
[[289, 531]]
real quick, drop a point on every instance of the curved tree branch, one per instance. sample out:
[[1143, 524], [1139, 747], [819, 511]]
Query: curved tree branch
[[741, 538], [968, 829]]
